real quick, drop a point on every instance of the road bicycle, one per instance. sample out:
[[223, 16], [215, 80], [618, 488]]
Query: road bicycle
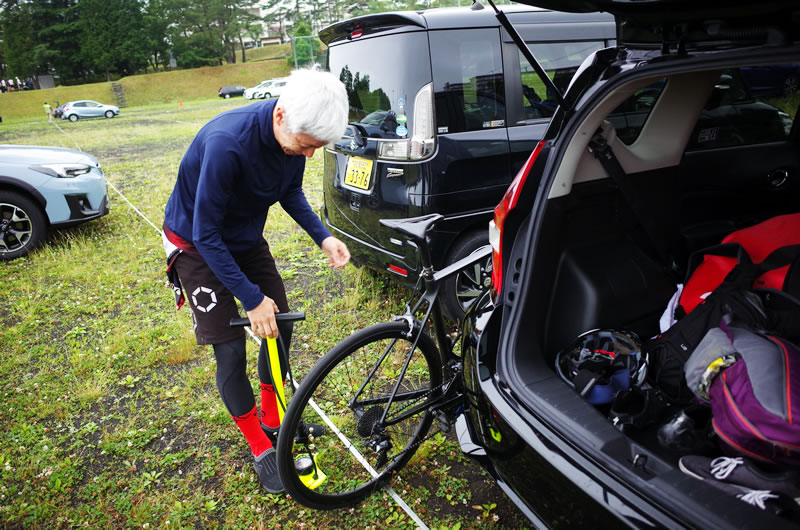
[[377, 391]]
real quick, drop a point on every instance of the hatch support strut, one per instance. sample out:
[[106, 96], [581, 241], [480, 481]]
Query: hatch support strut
[[515, 36]]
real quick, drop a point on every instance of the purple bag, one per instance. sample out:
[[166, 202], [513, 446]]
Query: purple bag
[[753, 384]]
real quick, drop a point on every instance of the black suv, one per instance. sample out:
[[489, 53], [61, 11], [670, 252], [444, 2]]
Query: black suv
[[229, 91], [703, 151], [443, 110]]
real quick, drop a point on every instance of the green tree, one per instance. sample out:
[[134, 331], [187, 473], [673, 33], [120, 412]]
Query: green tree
[[305, 50], [156, 30], [18, 41], [204, 32], [57, 34], [112, 36], [192, 32], [276, 13]]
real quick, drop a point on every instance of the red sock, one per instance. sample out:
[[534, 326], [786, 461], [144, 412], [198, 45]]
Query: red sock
[[269, 406], [251, 429]]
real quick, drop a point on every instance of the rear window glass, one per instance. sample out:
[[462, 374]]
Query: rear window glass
[[382, 76], [748, 105], [560, 60], [468, 80]]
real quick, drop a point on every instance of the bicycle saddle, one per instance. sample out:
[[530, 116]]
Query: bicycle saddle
[[415, 227]]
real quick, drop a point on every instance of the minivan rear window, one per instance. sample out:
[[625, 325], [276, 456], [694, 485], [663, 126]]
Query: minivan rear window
[[560, 60], [468, 80], [382, 76]]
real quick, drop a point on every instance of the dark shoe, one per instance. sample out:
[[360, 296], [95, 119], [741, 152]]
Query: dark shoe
[[742, 472], [266, 466], [768, 499], [309, 428], [689, 431]]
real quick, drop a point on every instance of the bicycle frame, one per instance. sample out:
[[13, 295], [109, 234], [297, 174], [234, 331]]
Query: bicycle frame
[[432, 281]]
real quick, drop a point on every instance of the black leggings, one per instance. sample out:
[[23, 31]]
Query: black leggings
[[232, 382]]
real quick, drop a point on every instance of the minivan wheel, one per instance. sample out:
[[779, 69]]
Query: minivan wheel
[[22, 225], [459, 291], [73, 117]]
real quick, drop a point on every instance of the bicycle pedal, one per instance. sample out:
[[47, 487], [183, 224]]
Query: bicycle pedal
[[444, 422]]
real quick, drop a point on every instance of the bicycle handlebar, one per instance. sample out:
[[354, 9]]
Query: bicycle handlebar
[[280, 317]]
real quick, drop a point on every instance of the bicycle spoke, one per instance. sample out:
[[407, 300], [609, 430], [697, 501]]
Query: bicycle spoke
[[362, 446]]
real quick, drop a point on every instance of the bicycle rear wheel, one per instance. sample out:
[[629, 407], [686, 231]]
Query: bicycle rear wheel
[[348, 390]]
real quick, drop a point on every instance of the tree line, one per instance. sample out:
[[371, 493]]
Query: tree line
[[92, 40]]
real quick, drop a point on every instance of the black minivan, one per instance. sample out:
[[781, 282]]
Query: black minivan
[[443, 111]]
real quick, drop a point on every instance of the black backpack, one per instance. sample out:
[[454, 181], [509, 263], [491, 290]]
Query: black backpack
[[734, 299]]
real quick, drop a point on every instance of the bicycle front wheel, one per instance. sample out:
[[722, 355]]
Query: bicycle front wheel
[[372, 430]]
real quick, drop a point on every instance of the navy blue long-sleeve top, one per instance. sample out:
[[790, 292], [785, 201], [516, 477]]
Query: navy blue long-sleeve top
[[233, 171]]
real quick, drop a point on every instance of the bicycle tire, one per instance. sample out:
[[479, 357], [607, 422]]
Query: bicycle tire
[[348, 481]]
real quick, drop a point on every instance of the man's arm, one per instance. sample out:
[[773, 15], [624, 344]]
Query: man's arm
[[296, 205]]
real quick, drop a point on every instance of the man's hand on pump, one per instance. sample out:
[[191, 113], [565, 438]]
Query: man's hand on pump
[[262, 319]]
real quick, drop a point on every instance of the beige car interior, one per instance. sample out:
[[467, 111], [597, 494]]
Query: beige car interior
[[660, 143]]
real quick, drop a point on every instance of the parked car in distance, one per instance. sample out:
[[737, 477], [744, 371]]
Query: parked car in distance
[[43, 188], [659, 148], [256, 91], [773, 80], [87, 108], [266, 89], [58, 111], [442, 128], [229, 91]]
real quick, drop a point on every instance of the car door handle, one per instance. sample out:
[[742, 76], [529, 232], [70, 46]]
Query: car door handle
[[778, 178]]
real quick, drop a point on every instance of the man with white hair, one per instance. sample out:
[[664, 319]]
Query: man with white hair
[[239, 164]]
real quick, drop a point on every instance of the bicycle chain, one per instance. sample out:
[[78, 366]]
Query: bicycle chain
[[445, 383], [414, 402]]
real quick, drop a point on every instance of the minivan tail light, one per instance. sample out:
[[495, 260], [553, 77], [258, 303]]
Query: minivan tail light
[[422, 141], [501, 211]]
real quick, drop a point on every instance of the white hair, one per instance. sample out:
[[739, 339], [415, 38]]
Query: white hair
[[315, 103]]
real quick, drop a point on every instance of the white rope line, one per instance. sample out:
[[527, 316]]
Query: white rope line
[[359, 457], [135, 209], [68, 136]]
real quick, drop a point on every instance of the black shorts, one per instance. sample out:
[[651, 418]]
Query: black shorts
[[213, 305]]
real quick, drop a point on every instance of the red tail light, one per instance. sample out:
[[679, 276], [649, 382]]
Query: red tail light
[[501, 211]]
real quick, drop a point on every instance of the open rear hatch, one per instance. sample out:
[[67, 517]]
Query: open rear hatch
[[648, 23]]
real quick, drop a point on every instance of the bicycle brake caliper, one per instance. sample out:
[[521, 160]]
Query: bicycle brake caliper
[[409, 320]]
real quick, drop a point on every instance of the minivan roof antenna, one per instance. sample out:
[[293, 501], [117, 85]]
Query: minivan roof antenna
[[476, 5]]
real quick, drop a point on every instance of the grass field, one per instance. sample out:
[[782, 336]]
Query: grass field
[[110, 415], [162, 87]]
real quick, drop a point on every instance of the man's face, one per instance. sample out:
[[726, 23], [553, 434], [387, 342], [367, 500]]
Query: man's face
[[291, 143]]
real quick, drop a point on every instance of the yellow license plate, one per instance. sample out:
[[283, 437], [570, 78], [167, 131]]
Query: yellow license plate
[[358, 173]]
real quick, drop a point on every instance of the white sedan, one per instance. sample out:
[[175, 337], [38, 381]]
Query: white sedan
[[87, 108], [271, 88]]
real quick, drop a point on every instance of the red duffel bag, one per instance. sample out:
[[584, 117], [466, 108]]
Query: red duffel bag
[[758, 242]]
